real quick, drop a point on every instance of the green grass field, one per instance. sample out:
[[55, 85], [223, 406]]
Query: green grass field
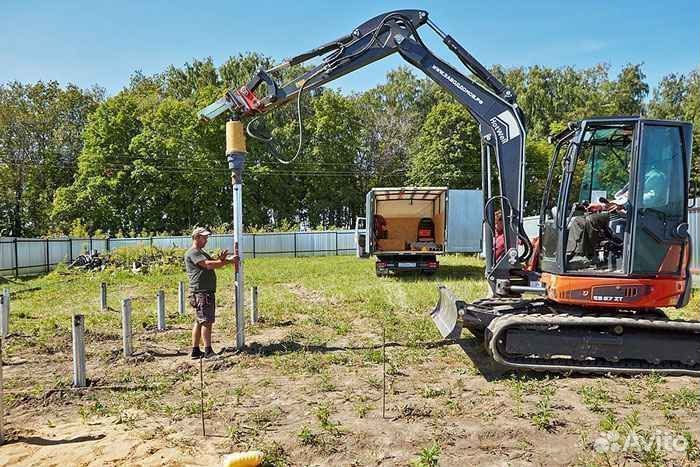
[[309, 388]]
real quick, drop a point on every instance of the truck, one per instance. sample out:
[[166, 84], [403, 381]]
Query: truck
[[408, 228]]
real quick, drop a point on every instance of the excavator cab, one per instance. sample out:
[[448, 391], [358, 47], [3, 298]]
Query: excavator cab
[[615, 208], [613, 251]]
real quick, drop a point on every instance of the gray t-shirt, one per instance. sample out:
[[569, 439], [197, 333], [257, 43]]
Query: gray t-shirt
[[201, 280]]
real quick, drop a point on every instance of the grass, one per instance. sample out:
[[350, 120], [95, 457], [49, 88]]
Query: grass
[[595, 397], [428, 457], [327, 316]]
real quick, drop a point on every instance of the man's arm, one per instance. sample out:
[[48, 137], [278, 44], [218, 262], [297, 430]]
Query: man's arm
[[220, 262]]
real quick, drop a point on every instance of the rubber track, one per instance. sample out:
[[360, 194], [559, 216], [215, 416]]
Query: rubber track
[[505, 322]]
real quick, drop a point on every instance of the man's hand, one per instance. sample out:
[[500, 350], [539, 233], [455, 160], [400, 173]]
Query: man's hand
[[223, 255]]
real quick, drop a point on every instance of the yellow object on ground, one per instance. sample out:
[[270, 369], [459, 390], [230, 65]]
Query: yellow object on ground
[[244, 459]]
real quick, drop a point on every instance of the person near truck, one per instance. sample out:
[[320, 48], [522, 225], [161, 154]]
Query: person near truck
[[200, 267]]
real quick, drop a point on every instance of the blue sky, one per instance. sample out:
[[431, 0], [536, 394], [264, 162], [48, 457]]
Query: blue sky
[[102, 42]]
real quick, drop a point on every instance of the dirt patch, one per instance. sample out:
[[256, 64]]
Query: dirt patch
[[310, 296]]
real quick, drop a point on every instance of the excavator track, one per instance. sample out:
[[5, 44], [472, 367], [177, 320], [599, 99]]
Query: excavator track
[[565, 342], [542, 335]]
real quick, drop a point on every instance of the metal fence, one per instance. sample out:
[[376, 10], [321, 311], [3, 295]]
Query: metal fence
[[22, 256]]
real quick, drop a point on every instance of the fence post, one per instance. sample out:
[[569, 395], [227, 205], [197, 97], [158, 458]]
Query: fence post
[[181, 298], [295, 244], [103, 296], [253, 244], [107, 243], [14, 240], [90, 245], [126, 327], [336, 243], [5, 314], [79, 379], [254, 304], [47, 255], [161, 310], [70, 250]]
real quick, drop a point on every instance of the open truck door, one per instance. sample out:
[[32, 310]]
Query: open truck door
[[464, 221], [361, 237]]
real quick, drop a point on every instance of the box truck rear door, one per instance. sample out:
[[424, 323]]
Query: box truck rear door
[[464, 221]]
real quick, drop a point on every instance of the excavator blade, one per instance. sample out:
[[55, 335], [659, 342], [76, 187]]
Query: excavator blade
[[446, 315]]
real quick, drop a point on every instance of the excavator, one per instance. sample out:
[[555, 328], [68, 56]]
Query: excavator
[[587, 295]]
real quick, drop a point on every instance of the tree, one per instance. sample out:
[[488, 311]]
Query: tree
[[668, 97], [627, 94], [447, 150], [40, 138]]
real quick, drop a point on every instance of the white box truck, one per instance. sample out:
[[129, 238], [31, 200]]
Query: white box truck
[[407, 228]]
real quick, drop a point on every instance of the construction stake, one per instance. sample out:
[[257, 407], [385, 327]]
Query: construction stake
[[384, 371], [201, 396], [254, 304]]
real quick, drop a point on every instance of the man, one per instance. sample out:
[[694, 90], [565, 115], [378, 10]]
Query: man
[[200, 271], [499, 244]]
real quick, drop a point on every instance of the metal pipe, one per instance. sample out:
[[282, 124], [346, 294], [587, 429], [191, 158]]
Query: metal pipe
[[5, 314], [181, 298], [161, 310], [239, 289], [126, 327], [79, 379], [103, 296]]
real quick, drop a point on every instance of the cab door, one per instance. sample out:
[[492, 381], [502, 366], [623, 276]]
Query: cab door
[[660, 233]]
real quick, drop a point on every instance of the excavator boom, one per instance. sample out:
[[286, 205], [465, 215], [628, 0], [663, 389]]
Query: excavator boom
[[601, 266]]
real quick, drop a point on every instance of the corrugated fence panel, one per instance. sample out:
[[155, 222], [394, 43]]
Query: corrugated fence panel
[[277, 244], [115, 243], [346, 243], [31, 255], [59, 251], [7, 256]]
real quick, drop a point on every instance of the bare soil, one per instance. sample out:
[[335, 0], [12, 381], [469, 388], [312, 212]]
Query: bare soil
[[309, 391]]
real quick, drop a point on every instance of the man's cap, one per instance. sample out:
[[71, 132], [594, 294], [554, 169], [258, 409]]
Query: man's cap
[[200, 231]]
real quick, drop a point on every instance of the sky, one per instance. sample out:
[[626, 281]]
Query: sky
[[102, 43]]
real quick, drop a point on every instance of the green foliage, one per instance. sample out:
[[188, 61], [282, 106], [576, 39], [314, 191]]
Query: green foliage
[[447, 150], [140, 161], [428, 457], [40, 138]]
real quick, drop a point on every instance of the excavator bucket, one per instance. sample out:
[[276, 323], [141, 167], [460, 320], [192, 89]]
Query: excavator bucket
[[446, 314]]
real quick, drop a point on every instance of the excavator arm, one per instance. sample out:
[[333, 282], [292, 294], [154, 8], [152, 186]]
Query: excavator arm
[[491, 103]]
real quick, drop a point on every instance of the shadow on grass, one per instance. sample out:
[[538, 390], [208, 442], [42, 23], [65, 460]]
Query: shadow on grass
[[445, 272]]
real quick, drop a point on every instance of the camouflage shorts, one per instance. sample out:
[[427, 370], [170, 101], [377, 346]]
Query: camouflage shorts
[[204, 304]]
